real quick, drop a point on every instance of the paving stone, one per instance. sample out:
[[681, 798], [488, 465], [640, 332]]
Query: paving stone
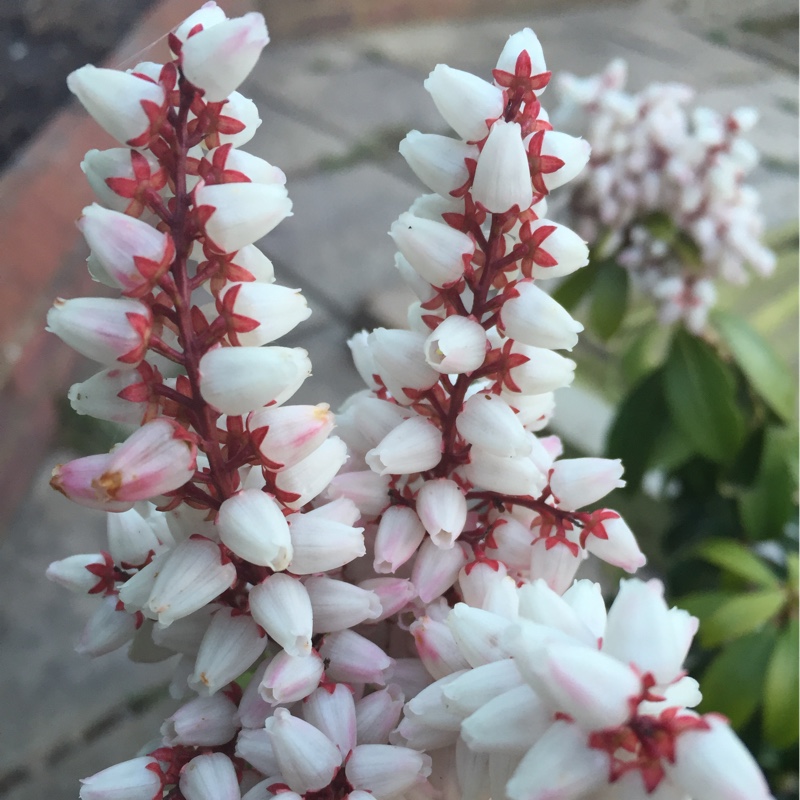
[[49, 691], [336, 242]]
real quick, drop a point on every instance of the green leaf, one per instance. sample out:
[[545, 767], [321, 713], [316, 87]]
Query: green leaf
[[704, 604], [780, 690], [733, 682], [635, 429], [646, 352], [609, 299], [767, 505], [734, 557], [741, 614], [572, 289], [701, 396], [762, 366], [792, 565], [660, 226]]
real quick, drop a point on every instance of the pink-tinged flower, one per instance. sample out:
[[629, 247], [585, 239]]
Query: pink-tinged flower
[[478, 579], [105, 395], [413, 446], [532, 317], [280, 604], [112, 331], [436, 570], [555, 560], [193, 574], [219, 58], [487, 421], [332, 710], [477, 633], [307, 758], [457, 345], [437, 647], [208, 15], [204, 721], [262, 312], [129, 108], [289, 678], [229, 648], [159, 457], [525, 40], [400, 532], [544, 371], [386, 770], [237, 380], [438, 161], [393, 594], [377, 714], [134, 254], [436, 251], [512, 475], [108, 629], [353, 659], [137, 779], [338, 605], [237, 214], [120, 176], [502, 177], [367, 491], [442, 508], [288, 434], [209, 777], [464, 101], [252, 525], [579, 482], [321, 544], [619, 548]]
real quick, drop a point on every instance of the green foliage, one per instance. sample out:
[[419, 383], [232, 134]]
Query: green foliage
[[609, 299], [781, 690]]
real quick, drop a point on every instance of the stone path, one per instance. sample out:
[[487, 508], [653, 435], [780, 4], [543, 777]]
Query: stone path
[[333, 110]]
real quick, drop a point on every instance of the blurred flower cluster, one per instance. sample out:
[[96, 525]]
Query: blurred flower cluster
[[393, 611], [664, 192]]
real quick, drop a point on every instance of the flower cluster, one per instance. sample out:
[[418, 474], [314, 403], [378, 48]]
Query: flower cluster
[[664, 191], [390, 613]]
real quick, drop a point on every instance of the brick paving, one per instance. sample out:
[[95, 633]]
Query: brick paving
[[333, 110]]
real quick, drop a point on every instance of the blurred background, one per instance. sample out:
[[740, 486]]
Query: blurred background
[[338, 87]]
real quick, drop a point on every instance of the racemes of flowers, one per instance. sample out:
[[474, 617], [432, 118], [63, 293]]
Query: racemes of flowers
[[664, 191], [390, 612]]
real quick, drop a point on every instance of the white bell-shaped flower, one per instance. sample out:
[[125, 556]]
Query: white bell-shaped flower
[[502, 177]]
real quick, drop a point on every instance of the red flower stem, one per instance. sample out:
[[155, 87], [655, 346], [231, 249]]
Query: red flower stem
[[159, 346], [527, 502], [171, 394]]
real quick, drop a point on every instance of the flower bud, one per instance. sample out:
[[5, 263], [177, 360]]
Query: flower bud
[[488, 422], [435, 570], [393, 594], [438, 161], [209, 777], [103, 395], [134, 254], [464, 100], [436, 647], [236, 380], [192, 576], [579, 482], [399, 534], [513, 475], [243, 110], [127, 107], [255, 747], [273, 310], [254, 263], [556, 562], [367, 490], [532, 317], [457, 345], [338, 605], [565, 247], [116, 163], [333, 711], [112, 331], [229, 647], [413, 446], [322, 544], [398, 358], [502, 177], [137, 779], [435, 250], [620, 548], [533, 410], [219, 58], [255, 169], [307, 758], [108, 629], [238, 214], [73, 572], [208, 15], [203, 722], [386, 770], [308, 477], [525, 40], [289, 678], [544, 371], [252, 524], [442, 508], [280, 604], [353, 659], [286, 435], [572, 151], [377, 714]]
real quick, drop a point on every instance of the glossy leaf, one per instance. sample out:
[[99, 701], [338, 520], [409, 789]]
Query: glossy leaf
[[781, 690], [646, 352], [733, 682], [609, 299], [573, 288], [701, 397], [742, 614], [732, 556], [762, 366], [704, 604]]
